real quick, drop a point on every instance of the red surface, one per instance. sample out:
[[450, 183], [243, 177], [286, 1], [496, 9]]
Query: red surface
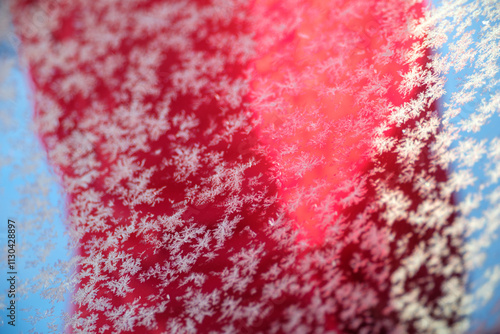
[[334, 129]]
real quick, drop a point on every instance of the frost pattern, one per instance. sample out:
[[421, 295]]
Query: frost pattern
[[273, 166]]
